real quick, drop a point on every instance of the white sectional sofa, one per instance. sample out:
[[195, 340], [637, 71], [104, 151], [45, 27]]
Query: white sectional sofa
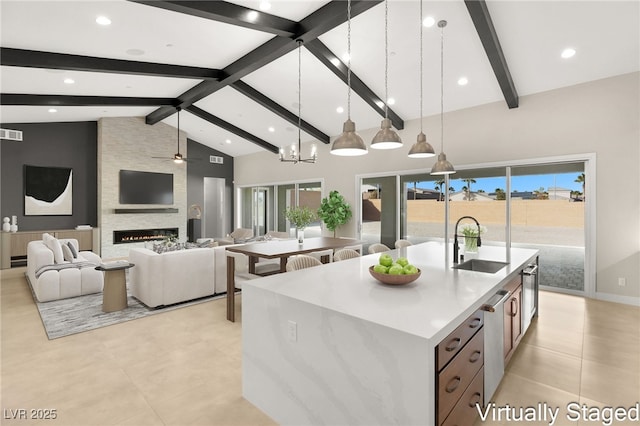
[[171, 277], [56, 274]]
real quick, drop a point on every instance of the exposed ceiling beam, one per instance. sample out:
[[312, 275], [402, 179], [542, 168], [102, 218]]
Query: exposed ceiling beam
[[489, 38], [38, 59], [324, 55], [322, 20], [72, 100], [277, 109], [229, 13], [231, 128]]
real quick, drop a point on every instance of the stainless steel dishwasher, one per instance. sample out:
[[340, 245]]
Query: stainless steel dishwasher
[[493, 342], [529, 294]]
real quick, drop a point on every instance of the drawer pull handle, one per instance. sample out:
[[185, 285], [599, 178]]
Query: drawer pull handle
[[453, 344], [453, 384], [475, 323], [514, 308], [475, 400], [475, 356]]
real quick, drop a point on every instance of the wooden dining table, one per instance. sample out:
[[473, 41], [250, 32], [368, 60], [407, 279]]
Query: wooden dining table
[[276, 249]]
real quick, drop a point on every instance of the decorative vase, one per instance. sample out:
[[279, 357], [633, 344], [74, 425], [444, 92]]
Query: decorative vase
[[300, 235], [6, 226], [470, 244], [14, 228]]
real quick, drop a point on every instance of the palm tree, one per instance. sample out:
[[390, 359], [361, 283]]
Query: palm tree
[[541, 194], [500, 194], [467, 188], [439, 184], [580, 179]]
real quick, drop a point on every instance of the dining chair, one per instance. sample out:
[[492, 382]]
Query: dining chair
[[322, 253], [302, 261], [345, 254], [403, 243], [378, 248]]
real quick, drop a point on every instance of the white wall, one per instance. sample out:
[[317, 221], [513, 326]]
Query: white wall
[[129, 144], [601, 117]]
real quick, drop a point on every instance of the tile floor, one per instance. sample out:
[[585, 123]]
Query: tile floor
[[183, 367]]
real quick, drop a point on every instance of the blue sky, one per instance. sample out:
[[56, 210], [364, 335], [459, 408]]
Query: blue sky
[[518, 183]]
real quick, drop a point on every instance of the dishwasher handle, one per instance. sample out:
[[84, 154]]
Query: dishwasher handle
[[495, 301], [531, 270]]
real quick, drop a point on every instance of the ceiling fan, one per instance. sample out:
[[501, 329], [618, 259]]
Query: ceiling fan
[[177, 157]]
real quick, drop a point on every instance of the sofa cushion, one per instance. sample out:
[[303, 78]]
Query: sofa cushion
[[66, 252], [54, 245], [74, 252]]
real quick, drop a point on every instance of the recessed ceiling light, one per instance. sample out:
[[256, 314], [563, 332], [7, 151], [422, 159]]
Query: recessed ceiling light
[[339, 110], [252, 16], [568, 53], [69, 81], [52, 110], [346, 57], [335, 62], [135, 52], [265, 5], [103, 20], [271, 129], [228, 141], [429, 21], [462, 81], [391, 101]]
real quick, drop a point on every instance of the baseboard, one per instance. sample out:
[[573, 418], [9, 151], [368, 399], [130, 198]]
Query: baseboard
[[627, 300]]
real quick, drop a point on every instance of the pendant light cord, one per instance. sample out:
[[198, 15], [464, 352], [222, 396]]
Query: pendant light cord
[[349, 59], [442, 85], [178, 138], [421, 25], [386, 58]]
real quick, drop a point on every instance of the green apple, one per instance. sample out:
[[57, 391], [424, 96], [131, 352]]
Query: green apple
[[385, 260], [402, 261], [381, 269], [395, 270], [410, 270]]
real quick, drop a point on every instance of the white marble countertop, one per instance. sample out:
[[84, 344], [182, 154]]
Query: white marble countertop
[[430, 307]]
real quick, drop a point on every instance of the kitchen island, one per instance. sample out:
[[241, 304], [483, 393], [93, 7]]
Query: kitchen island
[[331, 345]]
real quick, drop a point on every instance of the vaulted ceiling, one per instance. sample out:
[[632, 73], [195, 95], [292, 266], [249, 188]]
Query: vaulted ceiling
[[234, 73]]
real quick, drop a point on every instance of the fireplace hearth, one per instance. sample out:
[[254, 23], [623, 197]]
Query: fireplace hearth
[[142, 235]]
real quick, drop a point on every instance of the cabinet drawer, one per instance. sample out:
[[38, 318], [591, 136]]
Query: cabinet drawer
[[455, 341], [465, 411], [457, 376]]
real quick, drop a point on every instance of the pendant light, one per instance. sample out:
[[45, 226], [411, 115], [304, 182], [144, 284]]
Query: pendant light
[[294, 156], [386, 138], [349, 143], [178, 158], [422, 148], [442, 166]]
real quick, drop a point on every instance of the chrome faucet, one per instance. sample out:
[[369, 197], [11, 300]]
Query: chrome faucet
[[455, 237]]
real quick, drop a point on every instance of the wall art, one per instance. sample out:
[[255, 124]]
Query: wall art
[[48, 191]]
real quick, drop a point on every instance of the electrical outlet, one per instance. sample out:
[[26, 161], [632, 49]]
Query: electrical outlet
[[622, 282], [292, 331]]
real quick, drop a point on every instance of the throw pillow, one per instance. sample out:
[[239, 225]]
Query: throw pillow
[[66, 253], [55, 246], [73, 249]]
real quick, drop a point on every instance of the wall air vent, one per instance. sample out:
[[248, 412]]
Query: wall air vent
[[11, 135], [216, 160]]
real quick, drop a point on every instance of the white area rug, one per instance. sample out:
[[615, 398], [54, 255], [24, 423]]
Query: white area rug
[[83, 313]]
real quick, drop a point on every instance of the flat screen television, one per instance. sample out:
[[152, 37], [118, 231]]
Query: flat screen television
[[145, 187]]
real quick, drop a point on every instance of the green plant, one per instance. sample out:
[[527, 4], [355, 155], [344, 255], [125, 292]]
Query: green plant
[[334, 211], [301, 217]]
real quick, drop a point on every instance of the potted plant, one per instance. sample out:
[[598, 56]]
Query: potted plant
[[334, 211], [301, 217]]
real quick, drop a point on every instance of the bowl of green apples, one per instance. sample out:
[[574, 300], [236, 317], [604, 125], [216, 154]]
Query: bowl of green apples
[[394, 272]]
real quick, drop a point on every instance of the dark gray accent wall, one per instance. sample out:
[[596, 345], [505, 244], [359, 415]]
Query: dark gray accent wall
[[71, 145], [199, 167]]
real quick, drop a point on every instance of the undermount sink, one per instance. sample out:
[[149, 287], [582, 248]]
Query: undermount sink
[[480, 265]]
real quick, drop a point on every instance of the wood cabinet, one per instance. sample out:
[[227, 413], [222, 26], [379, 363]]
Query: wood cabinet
[[14, 244], [512, 318], [459, 373]]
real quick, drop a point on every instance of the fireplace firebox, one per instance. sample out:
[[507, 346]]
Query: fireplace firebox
[[142, 235]]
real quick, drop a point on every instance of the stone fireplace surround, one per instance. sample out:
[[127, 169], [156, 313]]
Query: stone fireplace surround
[[128, 143]]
